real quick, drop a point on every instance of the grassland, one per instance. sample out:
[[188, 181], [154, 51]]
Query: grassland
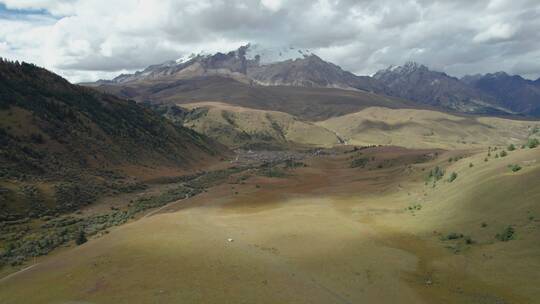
[[328, 232], [237, 126], [415, 128]]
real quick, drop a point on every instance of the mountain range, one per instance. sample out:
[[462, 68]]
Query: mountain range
[[412, 83]]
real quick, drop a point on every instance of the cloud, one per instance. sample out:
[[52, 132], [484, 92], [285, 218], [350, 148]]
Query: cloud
[[87, 39], [273, 5], [495, 33]]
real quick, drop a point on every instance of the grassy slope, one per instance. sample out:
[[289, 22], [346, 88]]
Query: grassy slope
[[490, 193], [330, 234], [238, 126], [423, 128]]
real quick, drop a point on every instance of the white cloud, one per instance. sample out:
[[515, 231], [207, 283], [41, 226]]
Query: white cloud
[[86, 39], [273, 5], [496, 32]]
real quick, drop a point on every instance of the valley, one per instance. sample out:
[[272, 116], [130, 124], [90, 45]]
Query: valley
[[326, 232]]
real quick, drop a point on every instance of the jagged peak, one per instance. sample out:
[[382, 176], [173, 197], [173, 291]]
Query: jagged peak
[[405, 69], [411, 66]]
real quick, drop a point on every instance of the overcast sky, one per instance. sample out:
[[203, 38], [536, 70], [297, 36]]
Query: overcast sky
[[90, 39]]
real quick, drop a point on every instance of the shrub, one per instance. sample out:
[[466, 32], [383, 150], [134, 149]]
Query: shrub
[[503, 153], [532, 143], [81, 238], [507, 234], [471, 165], [37, 138], [515, 167], [416, 207], [511, 147], [452, 177], [483, 225], [454, 236], [436, 173], [359, 162]]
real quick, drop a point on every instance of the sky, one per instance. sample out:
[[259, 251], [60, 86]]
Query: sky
[[86, 40]]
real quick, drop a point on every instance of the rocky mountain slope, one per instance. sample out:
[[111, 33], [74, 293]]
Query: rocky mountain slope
[[512, 91], [305, 102], [416, 82], [311, 71], [498, 93], [308, 70]]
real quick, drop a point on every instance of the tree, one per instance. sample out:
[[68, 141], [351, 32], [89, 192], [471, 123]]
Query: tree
[[81, 238]]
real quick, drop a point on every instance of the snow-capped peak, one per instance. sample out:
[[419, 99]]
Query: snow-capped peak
[[268, 55]]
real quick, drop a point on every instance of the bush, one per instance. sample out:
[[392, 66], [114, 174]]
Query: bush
[[503, 153], [454, 236], [452, 177], [37, 138], [471, 165], [532, 143], [507, 234], [515, 167], [359, 162], [81, 238], [436, 174], [511, 147]]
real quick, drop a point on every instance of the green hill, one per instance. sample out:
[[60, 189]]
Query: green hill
[[52, 131]]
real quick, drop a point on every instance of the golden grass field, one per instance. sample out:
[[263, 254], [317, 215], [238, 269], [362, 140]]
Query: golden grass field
[[412, 128], [328, 233], [415, 128], [229, 124]]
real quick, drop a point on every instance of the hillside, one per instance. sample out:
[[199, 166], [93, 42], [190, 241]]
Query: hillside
[[422, 128], [512, 91], [237, 127], [311, 72], [306, 103], [52, 131], [324, 233], [416, 82]]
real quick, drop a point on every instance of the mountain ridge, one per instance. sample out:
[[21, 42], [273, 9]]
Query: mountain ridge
[[411, 81]]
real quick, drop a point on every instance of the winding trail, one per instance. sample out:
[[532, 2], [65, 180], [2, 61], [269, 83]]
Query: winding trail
[[18, 272]]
